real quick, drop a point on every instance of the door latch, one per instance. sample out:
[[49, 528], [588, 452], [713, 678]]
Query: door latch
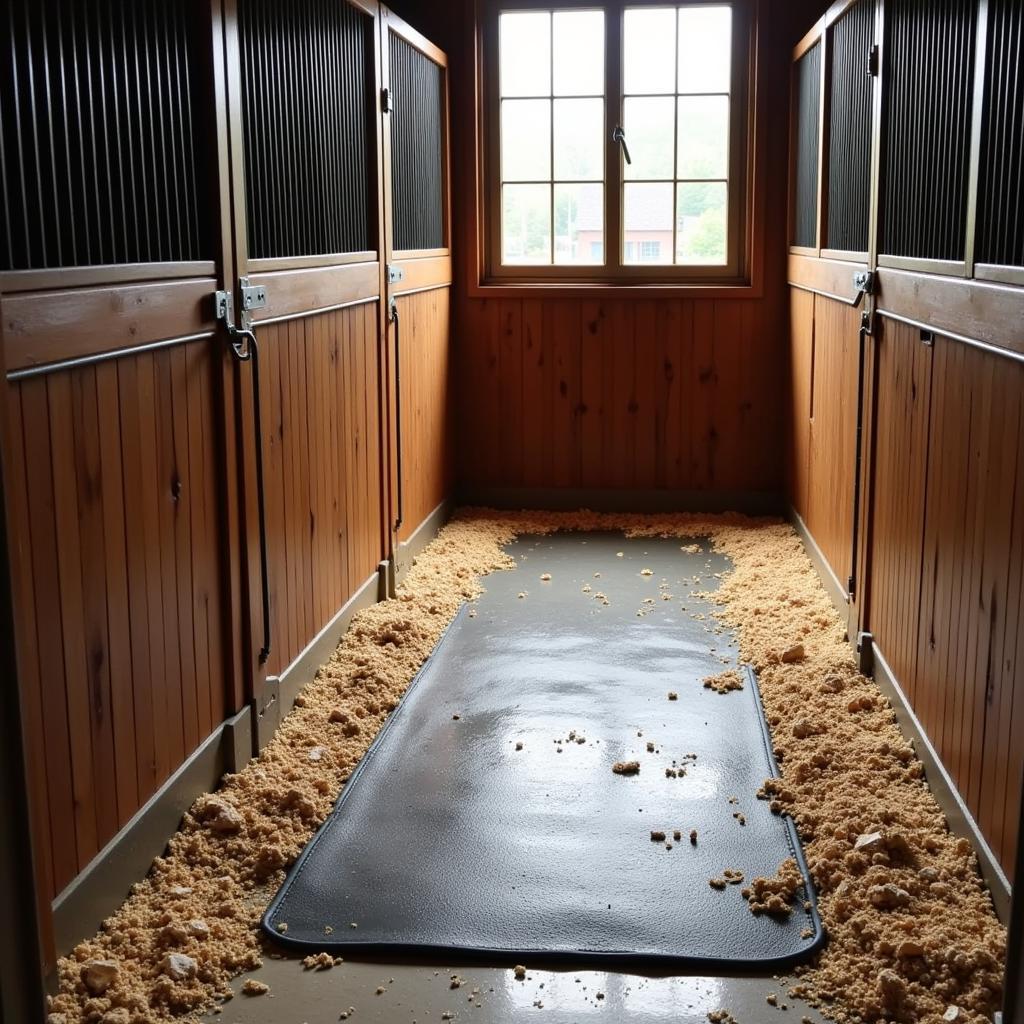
[[254, 296], [387, 105], [396, 275], [864, 282]]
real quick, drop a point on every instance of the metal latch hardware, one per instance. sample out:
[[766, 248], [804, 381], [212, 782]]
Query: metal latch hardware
[[254, 296], [386, 105], [222, 306], [864, 282], [873, 61], [395, 274]]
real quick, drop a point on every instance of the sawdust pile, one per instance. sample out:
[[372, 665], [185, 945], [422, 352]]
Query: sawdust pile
[[911, 927], [724, 682]]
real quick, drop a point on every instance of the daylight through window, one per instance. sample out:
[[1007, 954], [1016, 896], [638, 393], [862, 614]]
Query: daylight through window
[[565, 181]]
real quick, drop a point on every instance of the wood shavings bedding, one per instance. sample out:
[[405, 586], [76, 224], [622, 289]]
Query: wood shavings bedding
[[848, 777]]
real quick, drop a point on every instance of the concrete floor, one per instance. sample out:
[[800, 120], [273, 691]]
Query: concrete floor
[[491, 994], [424, 995]]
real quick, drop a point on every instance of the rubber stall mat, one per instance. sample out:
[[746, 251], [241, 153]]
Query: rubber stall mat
[[486, 819]]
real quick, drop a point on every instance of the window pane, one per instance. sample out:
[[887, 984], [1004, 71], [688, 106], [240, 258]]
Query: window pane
[[701, 223], [649, 50], [526, 224], [704, 137], [525, 45], [648, 223], [579, 140], [579, 224], [650, 124], [705, 35], [525, 140], [579, 53]]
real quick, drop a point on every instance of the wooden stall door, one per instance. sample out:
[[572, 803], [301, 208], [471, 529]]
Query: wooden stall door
[[304, 81], [121, 478], [419, 272]]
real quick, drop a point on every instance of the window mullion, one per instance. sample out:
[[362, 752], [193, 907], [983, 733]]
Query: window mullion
[[614, 14]]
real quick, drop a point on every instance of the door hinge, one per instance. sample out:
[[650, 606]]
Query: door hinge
[[873, 61], [851, 586], [386, 106]]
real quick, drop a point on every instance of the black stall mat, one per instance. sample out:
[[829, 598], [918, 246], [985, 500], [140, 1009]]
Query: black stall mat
[[486, 819]]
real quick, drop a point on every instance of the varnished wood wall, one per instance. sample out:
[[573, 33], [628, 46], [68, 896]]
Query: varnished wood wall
[[945, 561], [621, 394], [670, 394], [115, 480], [319, 377], [823, 386], [949, 527], [428, 441]]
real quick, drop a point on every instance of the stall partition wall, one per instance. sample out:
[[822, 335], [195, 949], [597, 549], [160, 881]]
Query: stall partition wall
[[141, 180], [926, 544]]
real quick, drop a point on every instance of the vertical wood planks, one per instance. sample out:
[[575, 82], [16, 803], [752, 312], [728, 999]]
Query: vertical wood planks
[[947, 539], [832, 448], [118, 576], [427, 453], [618, 394], [322, 469]]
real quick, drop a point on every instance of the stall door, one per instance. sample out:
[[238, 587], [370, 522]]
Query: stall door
[[304, 110], [419, 275]]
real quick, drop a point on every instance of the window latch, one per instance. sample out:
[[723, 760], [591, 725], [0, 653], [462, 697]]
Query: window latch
[[619, 136]]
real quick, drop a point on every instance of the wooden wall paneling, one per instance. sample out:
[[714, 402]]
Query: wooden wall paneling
[[831, 467], [904, 377], [171, 706], [519, 334], [72, 610], [562, 342], [96, 641], [801, 371], [25, 624], [703, 400], [319, 382], [621, 397], [943, 538], [993, 585], [671, 372], [426, 399], [50, 642], [119, 651], [596, 365], [737, 451], [648, 439], [182, 531], [1002, 772], [481, 393]]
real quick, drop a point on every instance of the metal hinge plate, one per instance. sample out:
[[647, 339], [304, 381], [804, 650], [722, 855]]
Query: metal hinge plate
[[395, 274], [386, 105], [254, 296], [873, 61]]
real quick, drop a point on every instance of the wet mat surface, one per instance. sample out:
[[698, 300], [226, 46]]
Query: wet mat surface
[[448, 839]]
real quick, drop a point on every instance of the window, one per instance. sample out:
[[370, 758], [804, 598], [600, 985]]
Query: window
[[617, 140]]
